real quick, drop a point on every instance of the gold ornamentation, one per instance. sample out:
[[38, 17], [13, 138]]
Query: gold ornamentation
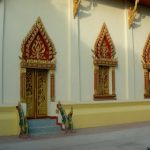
[[23, 84], [23, 70], [36, 93], [113, 81], [106, 62], [76, 4], [42, 93], [38, 49], [103, 59], [37, 45], [29, 93], [146, 66], [104, 49], [146, 52], [38, 56], [132, 13], [52, 81], [103, 80], [38, 64]]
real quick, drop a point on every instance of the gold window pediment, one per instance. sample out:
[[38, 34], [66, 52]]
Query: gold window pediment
[[104, 63], [37, 48]]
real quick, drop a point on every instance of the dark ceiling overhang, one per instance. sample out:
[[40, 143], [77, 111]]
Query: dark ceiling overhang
[[143, 2]]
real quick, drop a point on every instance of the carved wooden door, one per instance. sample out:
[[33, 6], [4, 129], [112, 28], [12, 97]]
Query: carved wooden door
[[36, 93], [103, 80]]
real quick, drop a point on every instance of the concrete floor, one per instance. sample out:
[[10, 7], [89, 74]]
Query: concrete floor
[[124, 137]]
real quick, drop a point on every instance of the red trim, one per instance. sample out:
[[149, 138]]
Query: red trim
[[55, 117], [28, 52]]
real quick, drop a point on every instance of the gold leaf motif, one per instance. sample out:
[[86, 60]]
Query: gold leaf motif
[[38, 49], [37, 42], [132, 13]]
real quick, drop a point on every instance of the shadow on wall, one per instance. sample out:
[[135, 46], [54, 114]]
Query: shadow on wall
[[87, 6], [110, 3], [85, 67], [142, 13]]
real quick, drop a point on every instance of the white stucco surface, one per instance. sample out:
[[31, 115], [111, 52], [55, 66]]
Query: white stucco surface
[[73, 40]]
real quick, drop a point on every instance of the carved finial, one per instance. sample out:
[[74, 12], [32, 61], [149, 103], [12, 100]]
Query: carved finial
[[146, 51], [104, 47], [132, 14], [76, 4]]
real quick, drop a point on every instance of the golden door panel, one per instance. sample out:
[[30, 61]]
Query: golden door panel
[[30, 92], [36, 93], [103, 80], [41, 93]]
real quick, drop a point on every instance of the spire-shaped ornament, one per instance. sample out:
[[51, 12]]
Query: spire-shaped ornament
[[132, 13], [76, 5], [104, 66]]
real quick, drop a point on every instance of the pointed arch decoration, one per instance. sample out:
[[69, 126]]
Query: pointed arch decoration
[[38, 51], [76, 5], [104, 66], [146, 67]]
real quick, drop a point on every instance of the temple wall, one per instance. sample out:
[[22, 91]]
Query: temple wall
[[140, 35], [92, 17], [19, 18], [73, 39]]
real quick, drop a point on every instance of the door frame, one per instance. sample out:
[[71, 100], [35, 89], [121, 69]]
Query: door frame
[[38, 52]]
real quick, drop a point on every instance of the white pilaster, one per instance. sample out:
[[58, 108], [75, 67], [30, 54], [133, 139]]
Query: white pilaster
[[1, 48], [130, 67], [74, 57]]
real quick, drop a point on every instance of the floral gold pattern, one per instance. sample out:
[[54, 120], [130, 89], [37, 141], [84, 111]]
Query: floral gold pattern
[[132, 13], [29, 93], [37, 47], [104, 62], [36, 95], [41, 93], [146, 66], [38, 57], [146, 51], [103, 80]]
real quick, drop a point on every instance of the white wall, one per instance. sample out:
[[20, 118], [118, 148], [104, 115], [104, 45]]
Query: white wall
[[92, 17], [129, 44], [20, 15], [74, 39]]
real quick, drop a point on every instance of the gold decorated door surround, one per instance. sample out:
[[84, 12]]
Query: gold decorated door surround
[[38, 58], [36, 92], [104, 66]]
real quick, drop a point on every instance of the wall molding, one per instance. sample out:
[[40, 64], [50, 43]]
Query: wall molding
[[2, 15]]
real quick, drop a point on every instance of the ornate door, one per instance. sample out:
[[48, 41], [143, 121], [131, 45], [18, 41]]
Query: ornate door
[[103, 80], [36, 92]]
